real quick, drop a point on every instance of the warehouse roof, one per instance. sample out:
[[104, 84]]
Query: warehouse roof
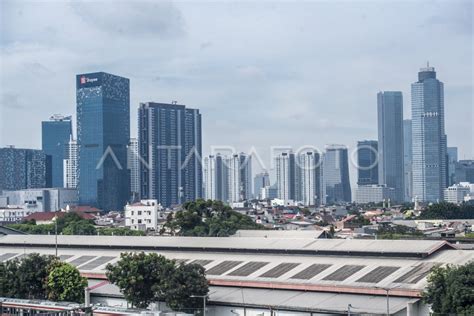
[[285, 299], [235, 266], [309, 246]]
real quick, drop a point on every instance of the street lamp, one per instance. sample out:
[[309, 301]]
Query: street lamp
[[55, 219], [387, 290], [204, 298]]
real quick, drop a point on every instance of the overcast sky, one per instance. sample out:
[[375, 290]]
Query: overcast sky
[[263, 73]]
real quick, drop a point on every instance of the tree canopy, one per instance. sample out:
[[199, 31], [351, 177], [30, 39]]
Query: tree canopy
[[450, 290], [446, 210], [146, 278], [34, 275], [65, 283], [208, 218], [73, 224]]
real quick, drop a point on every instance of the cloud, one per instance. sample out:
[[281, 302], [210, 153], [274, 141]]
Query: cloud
[[132, 18]]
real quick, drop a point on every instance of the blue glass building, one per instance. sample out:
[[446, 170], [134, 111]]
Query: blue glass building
[[407, 160], [103, 133], [390, 136], [336, 186], [367, 162], [24, 169], [170, 143], [428, 137], [55, 135]]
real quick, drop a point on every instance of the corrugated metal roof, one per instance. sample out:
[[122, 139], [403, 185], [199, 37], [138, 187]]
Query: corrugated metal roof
[[400, 248]]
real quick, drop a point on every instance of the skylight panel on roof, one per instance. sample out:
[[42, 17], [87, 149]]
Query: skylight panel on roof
[[343, 273], [311, 271], [279, 270], [248, 268], [96, 263], [378, 274], [83, 259], [223, 267]]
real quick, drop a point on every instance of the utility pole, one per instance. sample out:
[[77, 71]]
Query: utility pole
[[349, 310]]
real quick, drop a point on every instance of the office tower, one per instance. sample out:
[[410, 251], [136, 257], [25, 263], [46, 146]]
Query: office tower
[[133, 165], [193, 150], [55, 135], [336, 187], [24, 169], [215, 178], [260, 181], [451, 167], [390, 144], [407, 161], [308, 169], [210, 178], [170, 146], [70, 165], [286, 176], [428, 137], [103, 133], [367, 162], [239, 173], [464, 170]]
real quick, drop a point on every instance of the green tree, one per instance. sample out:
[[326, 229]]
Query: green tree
[[65, 283], [26, 278], [188, 280], [446, 210], [146, 278], [139, 276], [450, 290], [79, 228], [208, 218]]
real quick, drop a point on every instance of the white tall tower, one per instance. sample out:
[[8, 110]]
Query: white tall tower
[[70, 164]]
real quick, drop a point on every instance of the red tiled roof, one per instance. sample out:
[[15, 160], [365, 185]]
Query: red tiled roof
[[85, 209]]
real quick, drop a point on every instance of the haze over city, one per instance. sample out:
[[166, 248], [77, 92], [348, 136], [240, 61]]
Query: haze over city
[[261, 73]]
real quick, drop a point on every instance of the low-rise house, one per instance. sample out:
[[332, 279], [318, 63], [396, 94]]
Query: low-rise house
[[144, 215]]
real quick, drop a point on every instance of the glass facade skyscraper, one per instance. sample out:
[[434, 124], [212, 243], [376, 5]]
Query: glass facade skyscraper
[[260, 181], [390, 141], [367, 162], [170, 144], [55, 135], [336, 186], [286, 176], [428, 137], [407, 160], [308, 180], [24, 169], [103, 132]]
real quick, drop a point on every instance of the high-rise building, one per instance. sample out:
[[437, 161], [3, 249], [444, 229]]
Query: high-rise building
[[24, 169], [464, 171], [336, 187], [367, 162], [407, 161], [428, 137], [374, 193], [390, 144], [70, 165], [239, 173], [55, 135], [309, 174], [133, 165], [210, 177], [103, 133], [170, 145], [260, 181], [452, 159], [286, 176]]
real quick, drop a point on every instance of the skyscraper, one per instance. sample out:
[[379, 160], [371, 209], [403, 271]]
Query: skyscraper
[[239, 172], [70, 165], [24, 169], [55, 135], [103, 133], [133, 165], [428, 137], [336, 186], [407, 161], [215, 178], [390, 144], [367, 162], [260, 181], [170, 144], [452, 159], [309, 173], [286, 176]]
